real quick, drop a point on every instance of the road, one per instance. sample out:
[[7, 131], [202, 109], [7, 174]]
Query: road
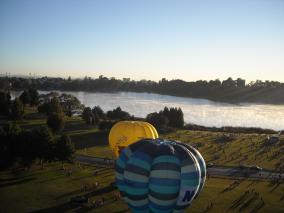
[[219, 171], [239, 172]]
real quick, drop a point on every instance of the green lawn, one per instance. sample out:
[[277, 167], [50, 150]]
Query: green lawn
[[50, 190], [248, 149]]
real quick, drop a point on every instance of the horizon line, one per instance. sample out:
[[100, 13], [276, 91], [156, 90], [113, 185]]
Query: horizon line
[[34, 76]]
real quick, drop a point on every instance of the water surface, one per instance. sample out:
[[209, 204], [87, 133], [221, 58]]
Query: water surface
[[197, 111]]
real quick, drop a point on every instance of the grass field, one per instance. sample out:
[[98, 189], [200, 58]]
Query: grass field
[[249, 149], [50, 189]]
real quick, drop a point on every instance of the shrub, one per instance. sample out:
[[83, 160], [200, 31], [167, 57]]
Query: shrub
[[106, 125], [17, 109], [158, 120], [56, 122]]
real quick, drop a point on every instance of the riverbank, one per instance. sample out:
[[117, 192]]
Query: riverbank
[[197, 111]]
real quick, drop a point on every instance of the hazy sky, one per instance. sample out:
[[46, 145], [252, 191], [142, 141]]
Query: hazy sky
[[148, 39]]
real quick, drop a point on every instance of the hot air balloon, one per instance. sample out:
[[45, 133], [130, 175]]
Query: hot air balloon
[[202, 165], [160, 176], [125, 133]]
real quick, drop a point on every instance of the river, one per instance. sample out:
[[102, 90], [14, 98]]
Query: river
[[196, 111]]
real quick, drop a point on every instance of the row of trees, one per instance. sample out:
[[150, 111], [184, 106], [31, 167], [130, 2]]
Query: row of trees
[[56, 107], [11, 109], [225, 90], [26, 146], [172, 117], [15, 109], [104, 120], [168, 117], [29, 96], [52, 108], [64, 103]]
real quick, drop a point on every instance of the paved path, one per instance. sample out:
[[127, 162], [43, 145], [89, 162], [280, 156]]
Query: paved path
[[238, 172], [221, 171], [94, 160]]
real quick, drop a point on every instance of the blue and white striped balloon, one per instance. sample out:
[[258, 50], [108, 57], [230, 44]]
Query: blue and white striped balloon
[[159, 176], [202, 165]]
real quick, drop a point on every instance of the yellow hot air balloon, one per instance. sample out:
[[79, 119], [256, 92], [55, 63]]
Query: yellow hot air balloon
[[124, 133]]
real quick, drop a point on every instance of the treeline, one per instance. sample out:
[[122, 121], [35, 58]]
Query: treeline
[[228, 90], [24, 147], [167, 118], [105, 120], [163, 120]]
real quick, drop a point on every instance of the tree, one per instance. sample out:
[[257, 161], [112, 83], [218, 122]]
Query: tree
[[87, 115], [27, 145], [98, 112], [176, 118], [118, 114], [158, 120], [44, 144], [241, 83], [55, 106], [51, 106], [5, 154], [56, 122], [9, 139], [229, 84], [17, 109], [25, 97], [64, 148], [5, 101], [43, 108], [34, 96], [69, 103]]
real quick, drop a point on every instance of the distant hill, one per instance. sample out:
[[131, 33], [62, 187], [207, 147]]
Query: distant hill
[[232, 91]]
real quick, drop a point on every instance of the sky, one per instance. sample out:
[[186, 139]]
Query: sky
[[143, 39]]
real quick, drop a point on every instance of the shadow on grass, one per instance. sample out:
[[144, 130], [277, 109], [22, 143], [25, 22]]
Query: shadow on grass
[[90, 139], [247, 203], [34, 115], [73, 125], [87, 208], [122, 211], [65, 207], [82, 177], [258, 207], [52, 179], [231, 187], [239, 201], [32, 126], [275, 187], [67, 194], [2, 185], [8, 179]]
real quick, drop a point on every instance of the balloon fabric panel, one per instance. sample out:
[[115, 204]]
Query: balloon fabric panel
[[157, 176]]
